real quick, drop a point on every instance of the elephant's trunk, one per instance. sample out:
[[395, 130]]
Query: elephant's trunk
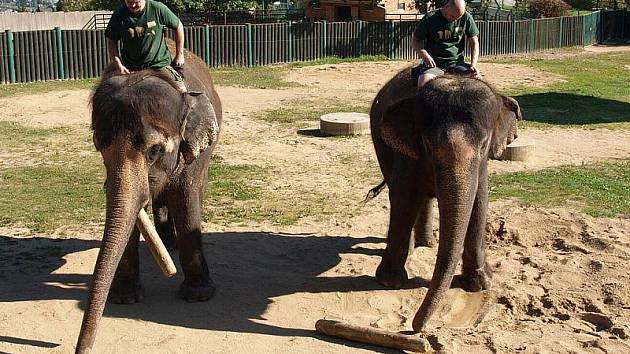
[[127, 192], [456, 168]]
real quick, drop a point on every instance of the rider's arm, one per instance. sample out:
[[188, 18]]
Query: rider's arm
[[112, 48], [473, 42], [416, 44], [427, 59], [179, 45]]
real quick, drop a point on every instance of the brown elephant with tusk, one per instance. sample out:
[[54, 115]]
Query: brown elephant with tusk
[[435, 143], [156, 144]]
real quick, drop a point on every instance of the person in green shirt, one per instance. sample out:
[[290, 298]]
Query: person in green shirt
[[443, 31], [139, 25]]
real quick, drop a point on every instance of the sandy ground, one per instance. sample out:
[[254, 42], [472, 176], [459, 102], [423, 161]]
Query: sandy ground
[[561, 283]]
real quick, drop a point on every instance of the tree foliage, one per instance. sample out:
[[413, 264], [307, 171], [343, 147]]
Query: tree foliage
[[548, 8]]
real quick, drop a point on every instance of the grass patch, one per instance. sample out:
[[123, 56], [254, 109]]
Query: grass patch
[[272, 77], [596, 92], [14, 133], [264, 77], [43, 198], [236, 195], [337, 60], [601, 189], [32, 88], [300, 110]]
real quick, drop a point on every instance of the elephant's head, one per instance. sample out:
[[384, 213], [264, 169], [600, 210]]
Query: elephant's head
[[406, 122], [142, 126]]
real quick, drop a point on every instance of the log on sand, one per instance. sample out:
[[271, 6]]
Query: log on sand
[[159, 251], [372, 335]]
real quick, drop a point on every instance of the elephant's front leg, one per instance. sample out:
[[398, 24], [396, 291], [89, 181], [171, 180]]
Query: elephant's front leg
[[197, 285], [404, 209], [477, 274], [126, 287]]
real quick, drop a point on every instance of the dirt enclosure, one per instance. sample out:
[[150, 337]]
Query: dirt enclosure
[[561, 281]]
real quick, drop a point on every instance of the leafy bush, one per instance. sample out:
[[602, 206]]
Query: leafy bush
[[548, 8]]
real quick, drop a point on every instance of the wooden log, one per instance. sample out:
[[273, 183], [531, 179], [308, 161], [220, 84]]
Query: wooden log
[[159, 251], [372, 335]]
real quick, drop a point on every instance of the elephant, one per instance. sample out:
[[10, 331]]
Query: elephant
[[434, 142], [156, 143]]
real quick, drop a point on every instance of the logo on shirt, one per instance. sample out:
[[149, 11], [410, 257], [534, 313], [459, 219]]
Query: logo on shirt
[[136, 32], [447, 35], [139, 32]]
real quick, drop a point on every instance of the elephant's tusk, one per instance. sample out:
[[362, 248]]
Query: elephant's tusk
[[155, 244]]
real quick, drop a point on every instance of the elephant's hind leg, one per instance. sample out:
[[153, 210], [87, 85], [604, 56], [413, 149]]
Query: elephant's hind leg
[[197, 285], [423, 228], [164, 222], [404, 209], [126, 287], [477, 274]]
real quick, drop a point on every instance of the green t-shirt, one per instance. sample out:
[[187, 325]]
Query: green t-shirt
[[445, 40], [142, 37]]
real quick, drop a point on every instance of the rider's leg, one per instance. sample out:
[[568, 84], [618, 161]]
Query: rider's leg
[[429, 74]]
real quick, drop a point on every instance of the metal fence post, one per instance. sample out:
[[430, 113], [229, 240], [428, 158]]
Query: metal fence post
[[486, 39], [560, 33], [532, 33], [513, 35], [11, 55], [61, 71], [289, 41], [206, 44], [250, 50], [324, 37], [390, 51], [360, 38]]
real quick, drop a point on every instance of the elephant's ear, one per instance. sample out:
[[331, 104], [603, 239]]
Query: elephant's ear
[[400, 127], [199, 127], [505, 126]]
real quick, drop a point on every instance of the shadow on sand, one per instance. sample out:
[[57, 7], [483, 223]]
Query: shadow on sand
[[283, 264]]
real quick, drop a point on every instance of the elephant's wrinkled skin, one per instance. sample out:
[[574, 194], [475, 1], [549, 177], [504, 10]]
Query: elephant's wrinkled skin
[[156, 144], [435, 143]]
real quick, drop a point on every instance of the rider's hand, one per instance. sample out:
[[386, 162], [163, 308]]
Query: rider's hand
[[475, 72], [179, 60], [427, 59], [122, 69]]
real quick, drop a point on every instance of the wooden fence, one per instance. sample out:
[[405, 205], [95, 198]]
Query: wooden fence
[[77, 54]]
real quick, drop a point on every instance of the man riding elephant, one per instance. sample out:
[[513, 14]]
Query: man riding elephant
[[139, 25], [443, 31]]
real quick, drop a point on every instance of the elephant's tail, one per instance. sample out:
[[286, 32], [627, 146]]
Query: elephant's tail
[[374, 192]]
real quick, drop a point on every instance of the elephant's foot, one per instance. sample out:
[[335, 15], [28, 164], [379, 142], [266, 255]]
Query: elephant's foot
[[126, 291], [193, 291], [391, 278], [477, 279]]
